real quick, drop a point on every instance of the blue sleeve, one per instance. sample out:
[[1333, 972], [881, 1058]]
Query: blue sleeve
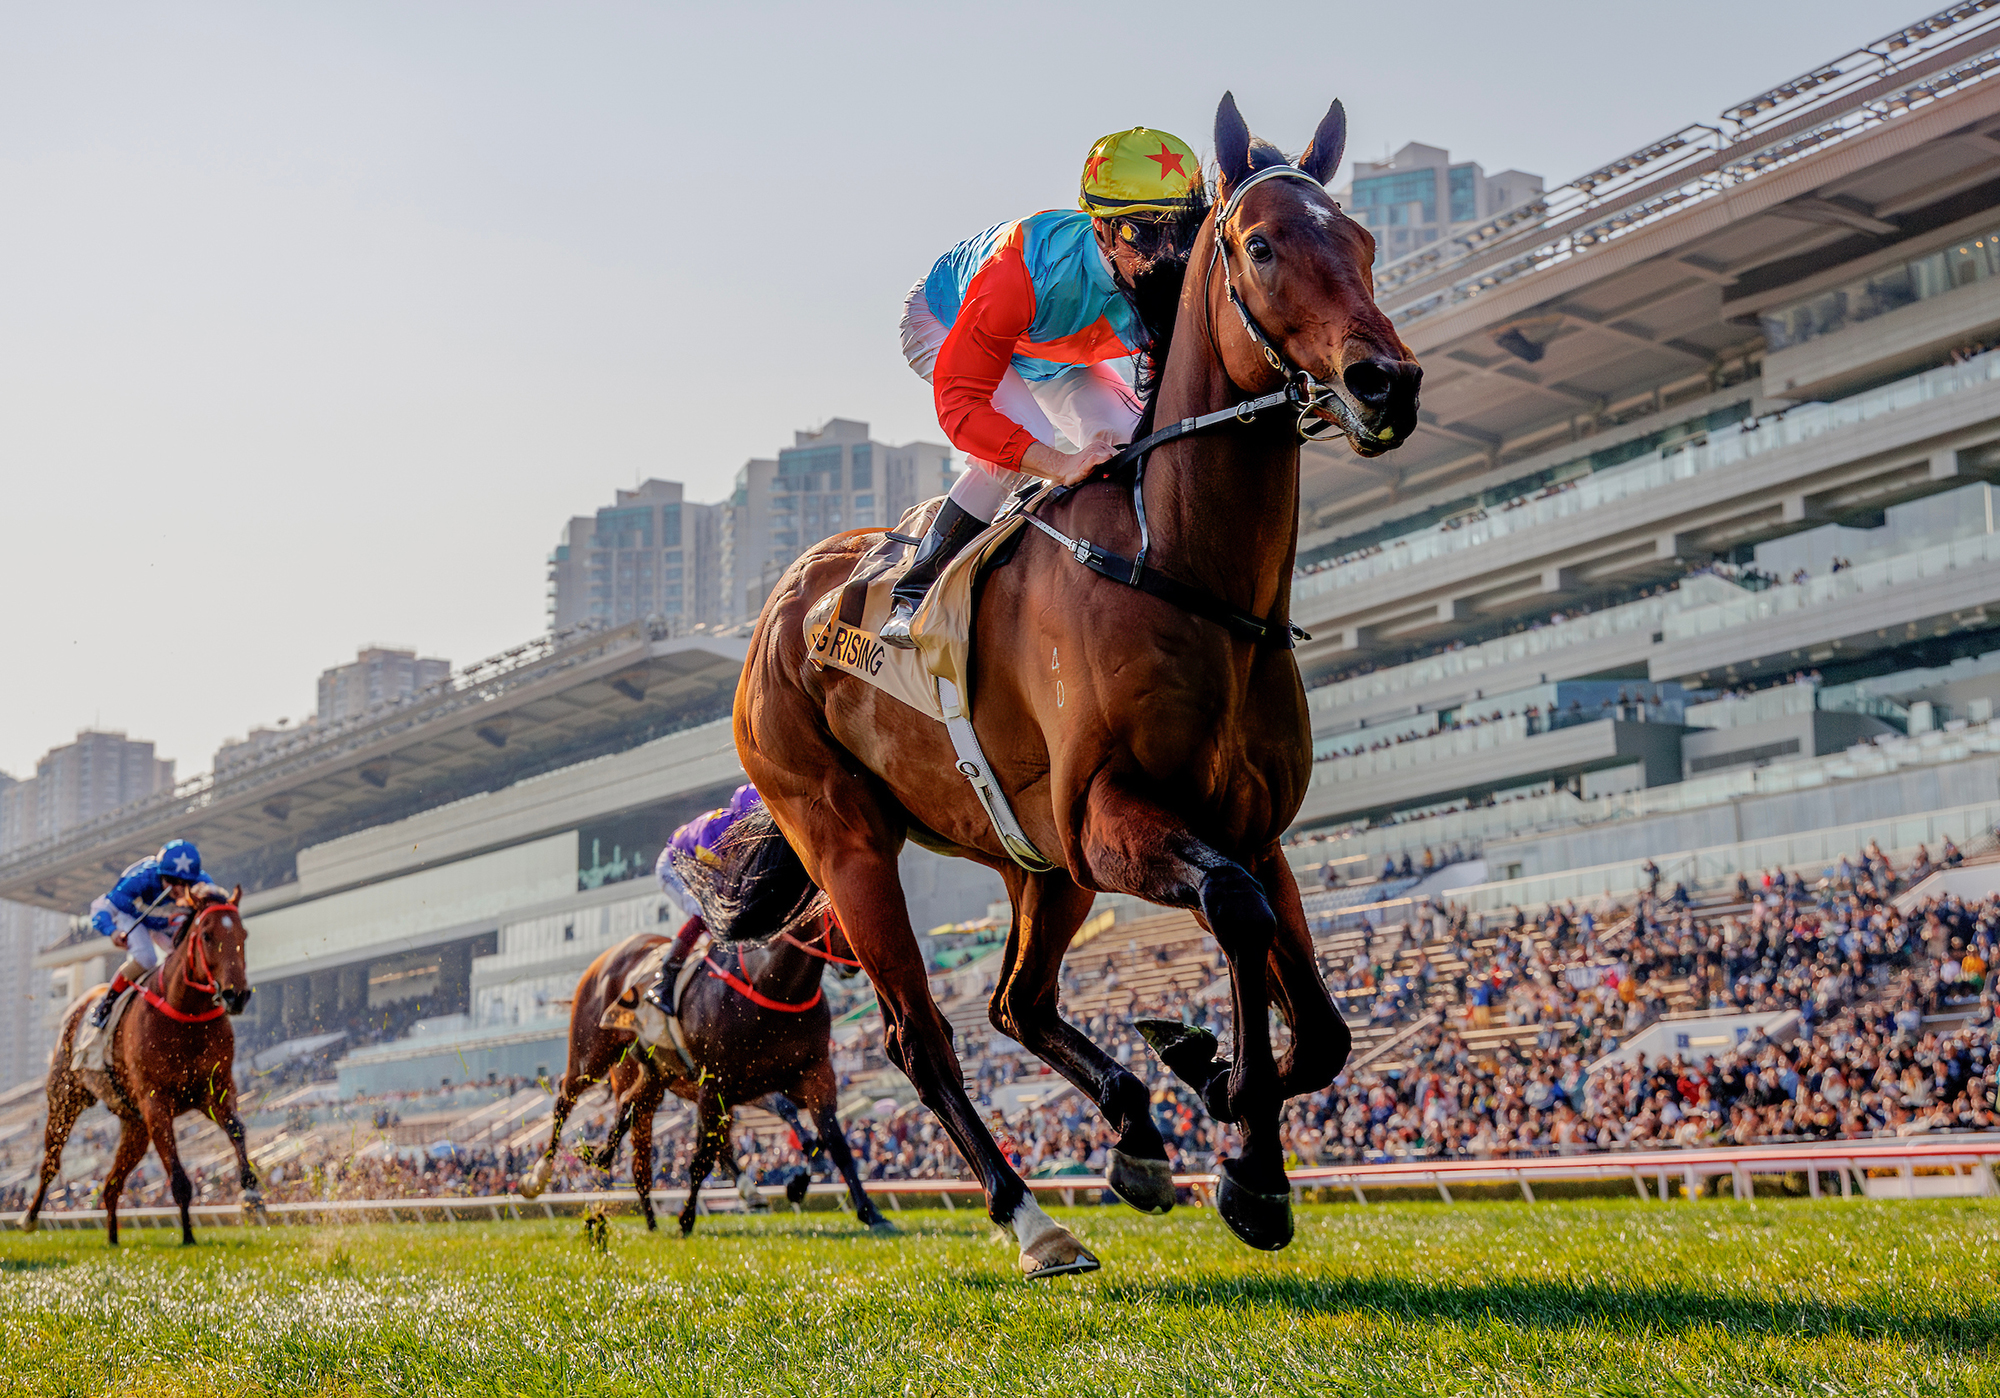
[[137, 891]]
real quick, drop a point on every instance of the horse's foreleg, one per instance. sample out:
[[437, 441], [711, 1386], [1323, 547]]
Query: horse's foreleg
[[711, 1132], [868, 896], [132, 1140], [1320, 1037], [67, 1101], [788, 1111], [160, 1125], [1136, 846], [1048, 908]]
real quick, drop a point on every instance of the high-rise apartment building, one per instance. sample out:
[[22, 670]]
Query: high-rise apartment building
[[72, 785], [1418, 196], [376, 675], [827, 481], [649, 554]]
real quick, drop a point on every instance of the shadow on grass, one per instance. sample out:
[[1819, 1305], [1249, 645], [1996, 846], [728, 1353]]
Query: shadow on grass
[[32, 1264], [1526, 1302]]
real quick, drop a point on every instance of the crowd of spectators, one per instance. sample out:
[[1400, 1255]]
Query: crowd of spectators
[[1522, 1007]]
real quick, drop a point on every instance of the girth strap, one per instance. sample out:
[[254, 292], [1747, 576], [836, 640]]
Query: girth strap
[[1132, 573]]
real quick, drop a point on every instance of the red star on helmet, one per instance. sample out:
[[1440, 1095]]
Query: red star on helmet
[[1093, 165], [1170, 162]]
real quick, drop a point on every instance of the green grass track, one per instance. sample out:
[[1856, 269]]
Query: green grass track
[[1709, 1297]]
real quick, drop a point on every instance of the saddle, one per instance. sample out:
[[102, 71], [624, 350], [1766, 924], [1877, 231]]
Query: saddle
[[90, 1051], [632, 1012], [843, 632]]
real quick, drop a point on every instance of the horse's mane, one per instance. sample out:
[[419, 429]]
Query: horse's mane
[[1156, 295], [756, 886], [1157, 292]]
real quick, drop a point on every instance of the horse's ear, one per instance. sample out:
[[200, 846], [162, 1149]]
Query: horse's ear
[[236, 895], [1232, 145], [1329, 143]]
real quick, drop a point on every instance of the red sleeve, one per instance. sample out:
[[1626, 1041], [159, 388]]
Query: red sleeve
[[996, 312]]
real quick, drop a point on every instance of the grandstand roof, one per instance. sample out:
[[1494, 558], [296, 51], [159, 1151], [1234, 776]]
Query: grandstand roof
[[548, 703], [1638, 284]]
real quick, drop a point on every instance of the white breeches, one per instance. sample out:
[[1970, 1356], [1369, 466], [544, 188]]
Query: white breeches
[[140, 947], [1088, 403]]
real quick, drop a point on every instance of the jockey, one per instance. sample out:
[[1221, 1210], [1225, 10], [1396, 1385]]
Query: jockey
[[699, 837], [129, 908], [1013, 328]]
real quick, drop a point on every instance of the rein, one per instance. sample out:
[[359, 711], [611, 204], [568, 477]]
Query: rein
[[198, 956], [755, 996]]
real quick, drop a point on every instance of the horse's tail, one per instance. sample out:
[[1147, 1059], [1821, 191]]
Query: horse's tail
[[756, 886]]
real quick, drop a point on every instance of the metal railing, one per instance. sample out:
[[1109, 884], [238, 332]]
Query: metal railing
[[1976, 1154], [1901, 72]]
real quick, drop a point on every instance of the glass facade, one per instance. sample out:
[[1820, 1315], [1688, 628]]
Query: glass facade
[[1462, 187], [1386, 199], [1890, 288]]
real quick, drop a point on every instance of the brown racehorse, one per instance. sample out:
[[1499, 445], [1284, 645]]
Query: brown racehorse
[[744, 1049], [174, 1052], [1146, 749]]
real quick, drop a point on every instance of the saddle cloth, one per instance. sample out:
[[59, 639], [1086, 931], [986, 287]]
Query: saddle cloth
[[843, 628], [91, 1049]]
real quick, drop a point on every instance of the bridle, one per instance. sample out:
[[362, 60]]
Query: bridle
[[825, 935], [1323, 407], [197, 975]]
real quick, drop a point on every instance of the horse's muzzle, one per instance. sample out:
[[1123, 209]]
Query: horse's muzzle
[[1386, 392], [235, 1000]]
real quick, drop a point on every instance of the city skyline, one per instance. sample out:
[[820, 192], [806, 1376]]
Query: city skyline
[[323, 320]]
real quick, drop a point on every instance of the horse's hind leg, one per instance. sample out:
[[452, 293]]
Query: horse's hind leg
[[68, 1100], [1136, 846], [865, 1211], [1048, 908], [576, 1081], [132, 1140]]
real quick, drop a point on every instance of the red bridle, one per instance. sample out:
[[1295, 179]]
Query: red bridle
[[826, 925], [197, 975]]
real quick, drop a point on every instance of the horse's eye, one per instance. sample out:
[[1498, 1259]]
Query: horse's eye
[[1259, 250]]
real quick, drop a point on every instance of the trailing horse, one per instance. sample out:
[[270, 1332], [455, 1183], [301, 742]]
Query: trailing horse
[[755, 1022], [1151, 745], [172, 1051]]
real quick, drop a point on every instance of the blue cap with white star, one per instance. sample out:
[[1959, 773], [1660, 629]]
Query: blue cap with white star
[[179, 859]]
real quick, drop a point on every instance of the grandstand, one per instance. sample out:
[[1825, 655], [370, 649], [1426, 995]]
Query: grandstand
[[1692, 565]]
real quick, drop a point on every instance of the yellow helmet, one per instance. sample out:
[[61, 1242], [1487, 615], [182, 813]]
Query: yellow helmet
[[1138, 171]]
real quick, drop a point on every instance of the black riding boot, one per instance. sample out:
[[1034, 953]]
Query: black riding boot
[[951, 531]]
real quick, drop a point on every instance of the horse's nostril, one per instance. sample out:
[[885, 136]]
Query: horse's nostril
[[1369, 382]]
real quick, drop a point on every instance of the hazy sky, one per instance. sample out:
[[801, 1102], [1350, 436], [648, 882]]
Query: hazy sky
[[317, 321]]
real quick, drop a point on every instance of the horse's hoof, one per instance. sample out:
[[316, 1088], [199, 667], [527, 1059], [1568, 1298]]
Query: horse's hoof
[[796, 1187], [1188, 1050], [28, 1225], [1057, 1253], [1263, 1221], [883, 1228], [687, 1227], [1147, 1185]]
